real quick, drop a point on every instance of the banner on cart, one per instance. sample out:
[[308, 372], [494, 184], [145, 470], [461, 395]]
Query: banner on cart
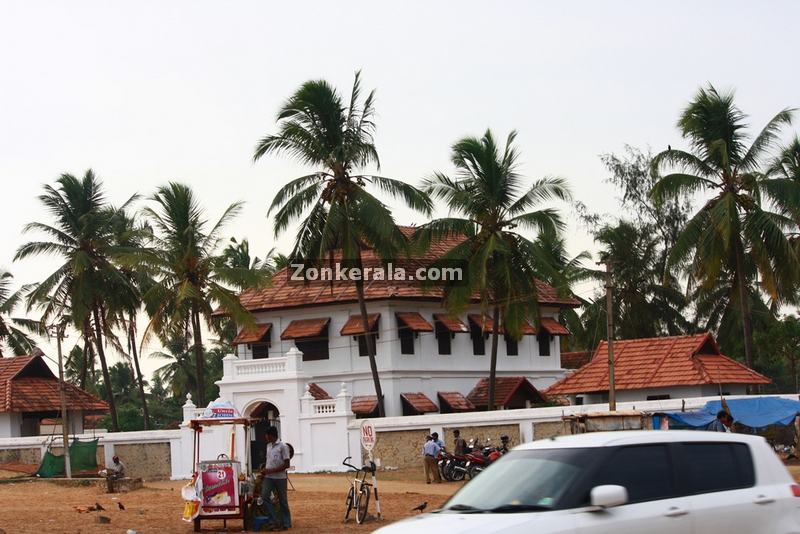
[[219, 486], [221, 409]]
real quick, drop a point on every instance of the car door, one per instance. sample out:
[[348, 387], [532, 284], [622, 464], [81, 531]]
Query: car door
[[654, 505], [720, 478]]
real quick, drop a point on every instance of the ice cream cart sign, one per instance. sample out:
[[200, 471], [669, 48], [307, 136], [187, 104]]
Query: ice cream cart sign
[[368, 435], [220, 409], [219, 486]]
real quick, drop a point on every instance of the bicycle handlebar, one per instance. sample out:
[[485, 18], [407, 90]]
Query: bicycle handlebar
[[367, 468]]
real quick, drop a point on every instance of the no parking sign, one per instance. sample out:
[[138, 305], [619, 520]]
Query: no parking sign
[[368, 435]]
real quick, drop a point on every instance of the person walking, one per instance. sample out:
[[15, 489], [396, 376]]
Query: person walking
[[429, 453], [275, 479]]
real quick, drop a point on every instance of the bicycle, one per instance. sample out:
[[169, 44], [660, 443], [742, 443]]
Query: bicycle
[[359, 492]]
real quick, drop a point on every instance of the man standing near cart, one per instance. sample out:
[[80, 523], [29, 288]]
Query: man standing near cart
[[275, 479]]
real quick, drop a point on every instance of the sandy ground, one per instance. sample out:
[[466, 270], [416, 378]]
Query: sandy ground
[[317, 506]]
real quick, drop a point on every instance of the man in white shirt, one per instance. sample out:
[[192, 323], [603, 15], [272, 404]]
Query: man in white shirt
[[429, 453], [277, 462]]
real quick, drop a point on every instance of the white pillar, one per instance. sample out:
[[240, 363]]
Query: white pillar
[[294, 360], [305, 401], [188, 409], [343, 400], [227, 366]]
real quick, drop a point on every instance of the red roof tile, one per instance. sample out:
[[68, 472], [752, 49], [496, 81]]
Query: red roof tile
[[353, 326], [253, 334], [575, 360], [285, 294], [364, 404], [658, 362], [306, 328], [317, 392], [414, 321], [553, 327], [27, 384], [453, 324], [487, 325], [455, 401], [419, 402], [505, 389]]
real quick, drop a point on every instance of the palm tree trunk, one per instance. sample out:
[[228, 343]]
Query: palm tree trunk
[[98, 329], [87, 351], [744, 302], [135, 354], [493, 361], [198, 356], [793, 367], [373, 364]]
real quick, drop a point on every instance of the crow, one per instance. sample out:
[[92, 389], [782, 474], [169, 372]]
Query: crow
[[121, 506], [421, 507], [98, 508], [669, 147]]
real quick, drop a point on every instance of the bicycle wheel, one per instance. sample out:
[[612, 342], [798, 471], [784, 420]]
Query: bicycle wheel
[[363, 504], [348, 503]]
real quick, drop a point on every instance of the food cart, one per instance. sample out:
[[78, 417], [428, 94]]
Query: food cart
[[221, 488]]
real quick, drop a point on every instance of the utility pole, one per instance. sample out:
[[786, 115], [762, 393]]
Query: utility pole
[[59, 331], [612, 392]]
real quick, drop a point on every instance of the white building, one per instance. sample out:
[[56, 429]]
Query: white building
[[427, 360]]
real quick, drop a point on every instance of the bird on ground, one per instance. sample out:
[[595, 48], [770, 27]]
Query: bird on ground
[[98, 508], [421, 507], [121, 506]]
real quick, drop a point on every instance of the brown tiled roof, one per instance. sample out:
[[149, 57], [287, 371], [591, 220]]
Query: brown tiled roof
[[658, 362], [353, 326], [456, 401], [28, 385], [364, 404], [306, 328], [414, 321], [419, 402], [285, 294], [487, 325], [575, 360], [554, 327], [253, 334], [504, 389], [453, 324], [317, 392]]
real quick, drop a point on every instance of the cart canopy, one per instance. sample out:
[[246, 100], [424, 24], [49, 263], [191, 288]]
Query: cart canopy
[[757, 412]]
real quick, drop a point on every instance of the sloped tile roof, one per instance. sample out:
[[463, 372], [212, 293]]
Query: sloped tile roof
[[283, 293], [306, 328], [505, 387], [353, 326], [317, 392], [419, 402], [658, 362], [414, 321], [253, 334], [487, 325], [575, 360], [453, 324], [28, 385], [364, 404], [456, 401], [553, 326]]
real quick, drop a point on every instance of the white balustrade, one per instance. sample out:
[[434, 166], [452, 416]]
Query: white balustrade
[[324, 407], [267, 366]]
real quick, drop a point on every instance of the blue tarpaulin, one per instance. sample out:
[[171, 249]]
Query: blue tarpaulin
[[757, 412]]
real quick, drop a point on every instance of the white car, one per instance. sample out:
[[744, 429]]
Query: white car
[[643, 482]]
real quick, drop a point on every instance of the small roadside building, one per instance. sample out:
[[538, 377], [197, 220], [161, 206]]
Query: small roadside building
[[658, 368], [29, 394]]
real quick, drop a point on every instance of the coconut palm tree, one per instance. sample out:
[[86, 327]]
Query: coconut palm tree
[[191, 277], [737, 220], [494, 205], [88, 278], [14, 331], [318, 129], [787, 163]]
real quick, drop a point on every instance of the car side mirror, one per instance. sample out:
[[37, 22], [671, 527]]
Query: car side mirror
[[608, 496]]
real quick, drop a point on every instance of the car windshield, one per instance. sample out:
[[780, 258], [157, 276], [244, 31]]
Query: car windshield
[[523, 481]]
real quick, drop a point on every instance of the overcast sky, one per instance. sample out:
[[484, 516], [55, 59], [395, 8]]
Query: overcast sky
[[150, 91]]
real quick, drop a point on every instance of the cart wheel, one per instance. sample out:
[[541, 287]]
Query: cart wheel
[[362, 505], [348, 503], [197, 525]]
